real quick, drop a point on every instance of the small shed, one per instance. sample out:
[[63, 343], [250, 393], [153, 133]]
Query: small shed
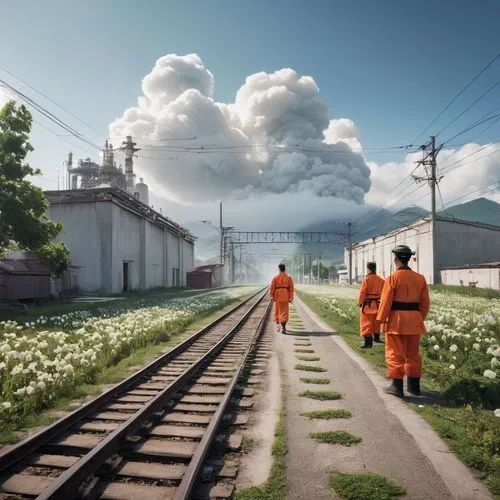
[[24, 278], [207, 276], [485, 275]]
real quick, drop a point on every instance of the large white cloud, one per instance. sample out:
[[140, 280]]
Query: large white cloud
[[270, 140], [463, 172]]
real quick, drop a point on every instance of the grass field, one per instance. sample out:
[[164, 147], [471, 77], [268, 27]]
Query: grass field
[[461, 366]]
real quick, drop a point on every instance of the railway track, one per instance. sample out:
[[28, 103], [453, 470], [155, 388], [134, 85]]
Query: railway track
[[146, 438]]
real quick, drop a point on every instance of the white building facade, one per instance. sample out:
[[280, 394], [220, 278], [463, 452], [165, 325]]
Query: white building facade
[[457, 243], [119, 243], [477, 275]]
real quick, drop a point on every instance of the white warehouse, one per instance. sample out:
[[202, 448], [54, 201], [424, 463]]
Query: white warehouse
[[458, 243], [118, 243], [478, 275]]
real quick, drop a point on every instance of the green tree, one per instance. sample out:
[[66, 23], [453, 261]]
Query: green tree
[[23, 206], [323, 271]]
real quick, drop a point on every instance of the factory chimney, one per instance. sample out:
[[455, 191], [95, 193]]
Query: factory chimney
[[128, 147], [69, 166]]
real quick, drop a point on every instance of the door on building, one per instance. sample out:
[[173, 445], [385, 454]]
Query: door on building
[[126, 284]]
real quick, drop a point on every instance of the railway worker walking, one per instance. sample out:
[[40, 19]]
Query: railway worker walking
[[368, 300], [404, 305], [282, 293]]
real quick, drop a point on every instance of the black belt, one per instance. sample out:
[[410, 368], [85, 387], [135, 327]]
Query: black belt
[[368, 302], [405, 306]]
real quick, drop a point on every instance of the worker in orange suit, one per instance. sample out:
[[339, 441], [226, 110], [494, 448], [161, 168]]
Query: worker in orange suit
[[404, 305], [282, 293], [368, 300]]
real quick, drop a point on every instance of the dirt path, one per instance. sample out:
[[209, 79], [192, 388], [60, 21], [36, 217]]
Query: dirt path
[[387, 448]]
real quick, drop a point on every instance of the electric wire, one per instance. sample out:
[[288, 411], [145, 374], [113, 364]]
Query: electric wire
[[485, 68]]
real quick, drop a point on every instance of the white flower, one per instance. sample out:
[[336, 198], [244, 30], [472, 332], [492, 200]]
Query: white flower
[[29, 390], [452, 367], [497, 412], [489, 374], [6, 405], [494, 362], [453, 348], [476, 346], [436, 347]]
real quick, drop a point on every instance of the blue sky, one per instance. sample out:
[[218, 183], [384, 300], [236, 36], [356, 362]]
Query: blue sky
[[388, 65]]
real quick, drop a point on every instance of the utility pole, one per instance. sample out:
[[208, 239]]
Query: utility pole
[[221, 229], [319, 267], [433, 180], [241, 268], [349, 242]]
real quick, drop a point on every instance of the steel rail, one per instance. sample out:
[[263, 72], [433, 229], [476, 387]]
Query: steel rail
[[190, 476], [10, 457], [68, 484]]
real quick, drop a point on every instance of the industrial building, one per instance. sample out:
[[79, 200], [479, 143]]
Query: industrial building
[[457, 243], [476, 275], [117, 242]]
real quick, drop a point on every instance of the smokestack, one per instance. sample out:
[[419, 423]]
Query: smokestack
[[128, 147]]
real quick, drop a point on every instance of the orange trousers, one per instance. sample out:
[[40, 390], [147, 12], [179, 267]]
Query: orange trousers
[[368, 324], [402, 355], [281, 312]]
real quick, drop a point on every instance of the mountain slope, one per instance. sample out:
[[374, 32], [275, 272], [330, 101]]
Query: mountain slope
[[480, 210]]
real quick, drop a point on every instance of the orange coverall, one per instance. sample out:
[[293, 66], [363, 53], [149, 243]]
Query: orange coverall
[[282, 293], [403, 328], [368, 300]]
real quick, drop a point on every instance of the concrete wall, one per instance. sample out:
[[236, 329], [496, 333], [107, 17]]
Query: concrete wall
[[82, 236], [102, 236], [172, 258], [482, 277], [187, 259], [458, 244], [418, 238]]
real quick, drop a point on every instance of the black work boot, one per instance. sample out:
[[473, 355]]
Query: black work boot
[[377, 339], [283, 328], [413, 385], [368, 342], [396, 388]]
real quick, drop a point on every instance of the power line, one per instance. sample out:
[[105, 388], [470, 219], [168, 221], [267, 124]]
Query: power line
[[497, 183], [470, 127], [49, 115], [468, 107], [52, 101], [456, 97]]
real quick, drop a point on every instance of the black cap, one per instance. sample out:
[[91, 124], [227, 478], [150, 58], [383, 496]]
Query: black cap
[[403, 251]]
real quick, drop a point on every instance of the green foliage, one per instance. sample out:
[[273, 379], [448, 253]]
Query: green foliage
[[485, 293], [23, 205], [304, 350], [473, 434], [328, 414], [321, 395], [321, 381], [309, 368], [364, 487], [335, 437], [308, 358], [55, 255]]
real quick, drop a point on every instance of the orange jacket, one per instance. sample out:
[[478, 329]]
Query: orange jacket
[[371, 288], [282, 288], [404, 285]]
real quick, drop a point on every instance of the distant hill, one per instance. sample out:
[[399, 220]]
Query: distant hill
[[480, 210], [384, 221]]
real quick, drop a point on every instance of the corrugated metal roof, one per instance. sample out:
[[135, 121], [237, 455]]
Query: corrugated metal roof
[[486, 265], [24, 266]]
